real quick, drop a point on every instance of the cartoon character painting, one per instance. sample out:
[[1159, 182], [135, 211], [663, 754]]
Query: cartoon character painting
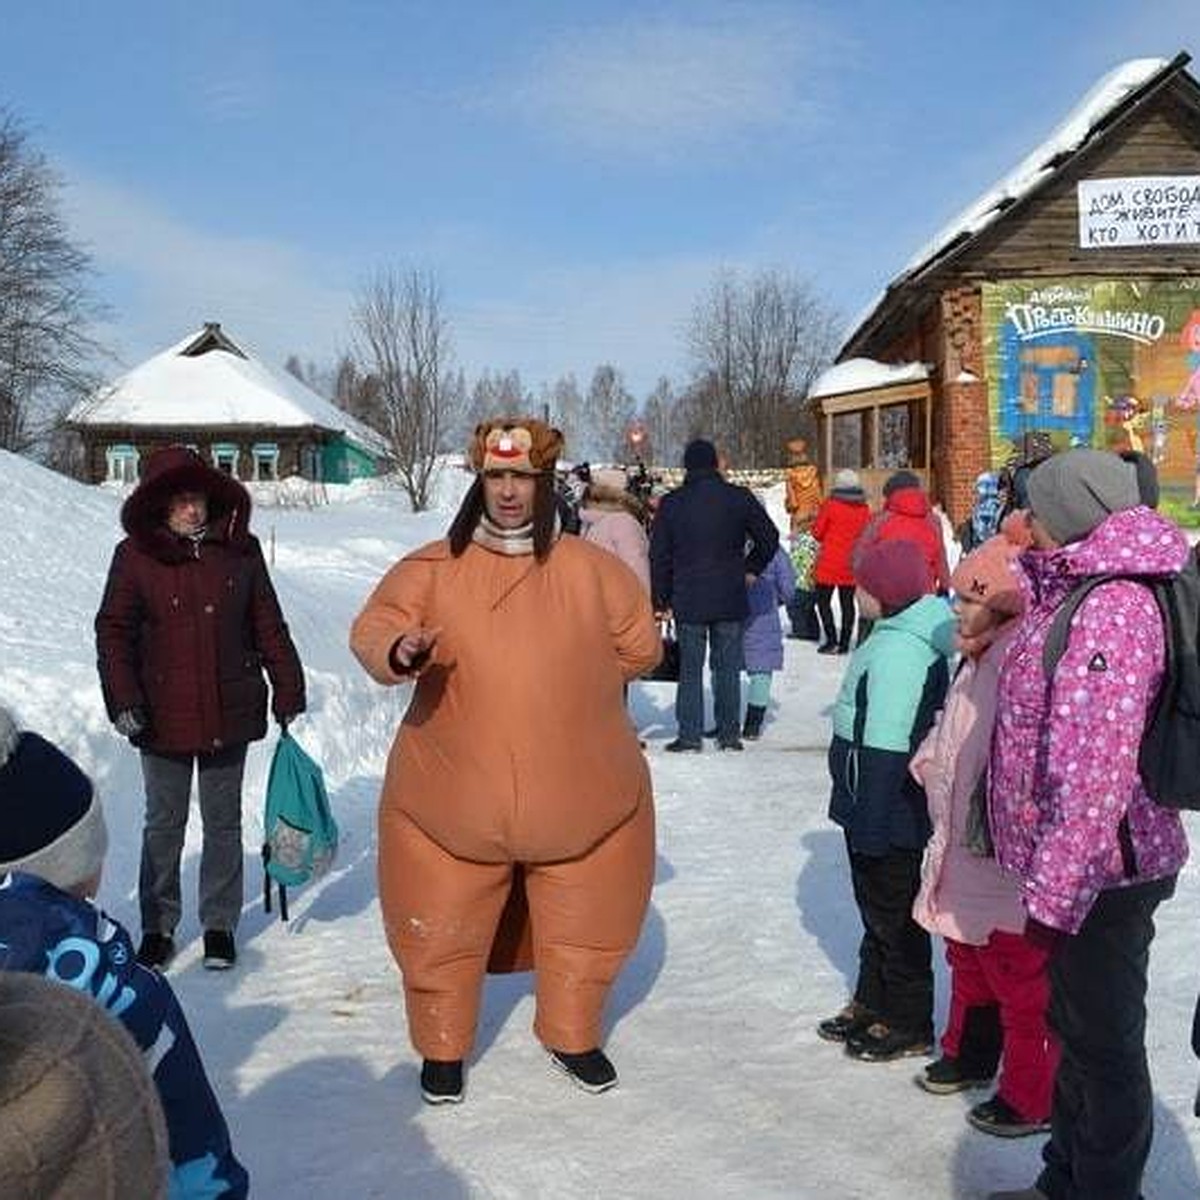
[[1128, 413]]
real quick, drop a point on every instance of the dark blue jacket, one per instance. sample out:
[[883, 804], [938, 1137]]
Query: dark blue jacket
[[49, 932], [706, 537]]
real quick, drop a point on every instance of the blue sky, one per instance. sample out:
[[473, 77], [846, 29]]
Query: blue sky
[[574, 174]]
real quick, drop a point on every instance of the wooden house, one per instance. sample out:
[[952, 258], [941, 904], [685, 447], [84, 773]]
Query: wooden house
[[207, 392], [1065, 300]]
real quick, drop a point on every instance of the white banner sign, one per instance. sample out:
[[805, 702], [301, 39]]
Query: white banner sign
[[1147, 210]]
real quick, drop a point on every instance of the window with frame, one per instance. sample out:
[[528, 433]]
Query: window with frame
[[225, 458], [852, 439], [122, 463], [266, 461]]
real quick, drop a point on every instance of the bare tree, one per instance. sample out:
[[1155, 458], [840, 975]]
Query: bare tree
[[563, 404], [660, 413], [402, 342], [609, 408], [358, 394], [47, 352], [493, 395], [756, 348], [317, 378]]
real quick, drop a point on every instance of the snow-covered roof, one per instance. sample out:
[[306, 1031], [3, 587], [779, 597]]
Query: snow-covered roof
[[863, 374], [208, 379], [1034, 169]]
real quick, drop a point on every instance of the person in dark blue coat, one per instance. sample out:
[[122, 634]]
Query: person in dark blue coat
[[709, 540], [52, 846]]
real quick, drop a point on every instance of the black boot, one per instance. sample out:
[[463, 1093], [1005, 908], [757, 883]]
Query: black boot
[[752, 726]]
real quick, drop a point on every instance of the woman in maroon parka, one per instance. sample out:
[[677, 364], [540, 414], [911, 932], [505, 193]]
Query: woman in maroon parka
[[188, 621]]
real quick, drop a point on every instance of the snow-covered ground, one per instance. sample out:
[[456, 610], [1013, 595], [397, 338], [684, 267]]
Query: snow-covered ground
[[751, 937]]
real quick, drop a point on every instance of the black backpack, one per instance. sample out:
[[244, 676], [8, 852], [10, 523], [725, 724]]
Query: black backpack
[[1169, 757]]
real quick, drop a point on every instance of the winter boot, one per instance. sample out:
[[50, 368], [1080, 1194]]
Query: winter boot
[[156, 951], [880, 1043], [948, 1075], [853, 1019], [442, 1082], [590, 1070], [752, 726], [220, 953], [1000, 1119]]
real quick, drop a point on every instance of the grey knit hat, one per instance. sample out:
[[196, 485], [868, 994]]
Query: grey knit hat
[[80, 1118], [1072, 492]]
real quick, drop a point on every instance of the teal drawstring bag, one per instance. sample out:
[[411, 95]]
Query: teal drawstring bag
[[300, 836]]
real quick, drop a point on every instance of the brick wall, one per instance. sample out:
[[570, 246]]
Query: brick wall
[[965, 436]]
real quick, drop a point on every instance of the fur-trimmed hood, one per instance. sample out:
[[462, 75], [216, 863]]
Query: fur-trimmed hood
[[602, 498], [178, 469]]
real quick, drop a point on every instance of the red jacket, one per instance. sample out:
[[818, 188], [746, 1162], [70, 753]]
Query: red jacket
[[185, 630], [838, 524], [907, 516]]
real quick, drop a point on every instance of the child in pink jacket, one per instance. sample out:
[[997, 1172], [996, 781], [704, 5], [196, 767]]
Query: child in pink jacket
[[998, 984]]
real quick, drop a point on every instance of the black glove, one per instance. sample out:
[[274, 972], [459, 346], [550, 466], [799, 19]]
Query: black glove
[[130, 722]]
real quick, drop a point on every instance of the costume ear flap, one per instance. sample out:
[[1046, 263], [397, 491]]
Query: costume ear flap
[[552, 446], [478, 446]]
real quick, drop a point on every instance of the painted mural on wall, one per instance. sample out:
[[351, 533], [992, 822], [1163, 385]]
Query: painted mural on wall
[[1097, 362]]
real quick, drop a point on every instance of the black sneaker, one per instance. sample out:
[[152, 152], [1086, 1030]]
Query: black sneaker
[[679, 746], [948, 1075], [219, 951], [442, 1082], [156, 951], [880, 1043], [999, 1118], [853, 1019], [591, 1070]]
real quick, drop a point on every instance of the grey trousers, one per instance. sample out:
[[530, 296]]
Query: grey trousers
[[168, 797]]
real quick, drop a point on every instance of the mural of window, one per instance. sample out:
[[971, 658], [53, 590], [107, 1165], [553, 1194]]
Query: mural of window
[[122, 464], [225, 457], [266, 461]]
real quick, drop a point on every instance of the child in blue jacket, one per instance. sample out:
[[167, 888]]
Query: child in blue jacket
[[52, 846], [762, 637], [894, 685]]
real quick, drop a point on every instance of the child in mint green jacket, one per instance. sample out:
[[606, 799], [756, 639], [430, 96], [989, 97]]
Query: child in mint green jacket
[[894, 685]]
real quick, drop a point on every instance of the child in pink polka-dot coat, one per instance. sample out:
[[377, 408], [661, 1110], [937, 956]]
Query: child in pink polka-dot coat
[[1093, 855]]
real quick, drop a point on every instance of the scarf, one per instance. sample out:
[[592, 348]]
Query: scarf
[[513, 542], [195, 537]]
